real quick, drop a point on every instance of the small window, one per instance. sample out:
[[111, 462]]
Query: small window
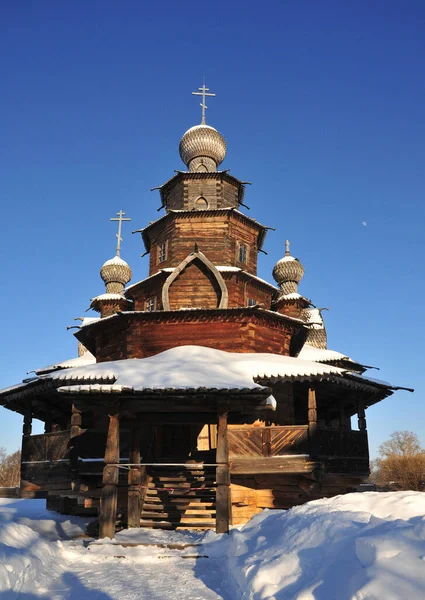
[[201, 203], [162, 252], [242, 253], [151, 304], [252, 301]]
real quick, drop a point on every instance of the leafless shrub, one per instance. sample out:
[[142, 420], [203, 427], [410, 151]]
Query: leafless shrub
[[10, 468]]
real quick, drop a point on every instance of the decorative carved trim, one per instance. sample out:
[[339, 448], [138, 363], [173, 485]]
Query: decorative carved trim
[[182, 266]]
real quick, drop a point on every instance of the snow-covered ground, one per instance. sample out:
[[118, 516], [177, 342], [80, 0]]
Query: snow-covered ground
[[367, 546]]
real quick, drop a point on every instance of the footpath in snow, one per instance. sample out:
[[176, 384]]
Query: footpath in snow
[[367, 546]]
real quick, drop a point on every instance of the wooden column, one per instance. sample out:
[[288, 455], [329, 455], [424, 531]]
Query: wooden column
[[76, 419], [26, 429], [108, 505], [134, 477], [27, 425], [223, 500], [312, 422], [361, 414]]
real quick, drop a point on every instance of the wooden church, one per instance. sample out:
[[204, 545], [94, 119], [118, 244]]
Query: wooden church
[[202, 394]]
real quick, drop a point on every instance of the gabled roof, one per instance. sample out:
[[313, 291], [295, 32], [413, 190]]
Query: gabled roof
[[220, 268]]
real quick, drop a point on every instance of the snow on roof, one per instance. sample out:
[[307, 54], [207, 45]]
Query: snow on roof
[[116, 260], [80, 361], [165, 270], [293, 296], [88, 320], [322, 355], [193, 367], [109, 297]]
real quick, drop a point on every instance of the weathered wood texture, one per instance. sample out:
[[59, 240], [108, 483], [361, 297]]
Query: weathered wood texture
[[142, 335], [241, 287], [195, 287], [108, 507], [268, 441], [47, 446], [223, 497], [252, 493], [217, 234]]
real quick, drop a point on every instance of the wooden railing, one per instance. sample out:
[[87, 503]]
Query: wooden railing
[[45, 447], [290, 440], [342, 443], [268, 441]]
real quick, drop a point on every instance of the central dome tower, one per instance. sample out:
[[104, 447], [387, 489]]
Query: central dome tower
[[202, 148]]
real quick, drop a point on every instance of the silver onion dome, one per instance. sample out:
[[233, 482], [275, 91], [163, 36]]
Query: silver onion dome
[[116, 273], [288, 272], [202, 148]]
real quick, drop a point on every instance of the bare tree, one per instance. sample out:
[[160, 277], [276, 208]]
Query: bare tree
[[10, 468], [401, 463]]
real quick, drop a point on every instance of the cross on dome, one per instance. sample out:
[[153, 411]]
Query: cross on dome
[[120, 220], [203, 91]]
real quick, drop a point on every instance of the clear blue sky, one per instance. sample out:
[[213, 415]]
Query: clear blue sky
[[322, 106]]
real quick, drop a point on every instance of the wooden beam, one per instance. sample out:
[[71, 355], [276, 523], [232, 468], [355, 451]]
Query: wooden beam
[[361, 413], [223, 500], [312, 422], [108, 506], [134, 477]]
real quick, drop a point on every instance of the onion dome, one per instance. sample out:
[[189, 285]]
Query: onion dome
[[288, 272], [316, 335], [202, 148], [116, 273]]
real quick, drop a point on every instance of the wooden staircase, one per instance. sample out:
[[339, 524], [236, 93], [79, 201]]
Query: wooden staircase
[[180, 497]]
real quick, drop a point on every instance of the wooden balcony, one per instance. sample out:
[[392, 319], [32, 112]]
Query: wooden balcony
[[296, 449]]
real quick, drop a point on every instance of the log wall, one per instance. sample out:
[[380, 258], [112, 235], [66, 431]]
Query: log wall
[[147, 335], [217, 235]]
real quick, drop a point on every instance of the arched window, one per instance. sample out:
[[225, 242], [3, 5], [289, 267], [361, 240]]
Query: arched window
[[201, 203]]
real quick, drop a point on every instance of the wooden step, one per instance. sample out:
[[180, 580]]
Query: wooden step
[[155, 479], [182, 502], [180, 505], [171, 525], [176, 516], [182, 493]]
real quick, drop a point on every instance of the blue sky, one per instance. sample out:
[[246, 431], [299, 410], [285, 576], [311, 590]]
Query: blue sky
[[322, 106]]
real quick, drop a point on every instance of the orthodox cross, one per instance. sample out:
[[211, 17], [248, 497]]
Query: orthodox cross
[[287, 251], [203, 91], [120, 219]]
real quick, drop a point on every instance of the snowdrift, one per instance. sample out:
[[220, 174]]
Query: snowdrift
[[367, 546], [362, 546]]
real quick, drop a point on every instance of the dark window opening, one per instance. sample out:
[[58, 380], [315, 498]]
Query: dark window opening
[[242, 254], [162, 252], [151, 304]]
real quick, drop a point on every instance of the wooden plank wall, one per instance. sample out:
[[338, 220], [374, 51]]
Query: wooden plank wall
[[196, 287]]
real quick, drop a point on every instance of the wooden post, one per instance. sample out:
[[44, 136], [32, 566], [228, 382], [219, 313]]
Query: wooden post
[[27, 426], [312, 422], [108, 506], [361, 414], [223, 501], [73, 451], [48, 423], [134, 478], [75, 421], [26, 430]]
